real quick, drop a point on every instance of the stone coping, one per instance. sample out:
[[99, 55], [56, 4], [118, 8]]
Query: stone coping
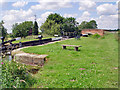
[[31, 55]]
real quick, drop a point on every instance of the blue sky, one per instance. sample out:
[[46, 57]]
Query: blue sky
[[105, 13]]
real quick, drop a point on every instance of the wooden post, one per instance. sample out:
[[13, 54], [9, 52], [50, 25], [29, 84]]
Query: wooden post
[[10, 49], [64, 47], [20, 44], [76, 48]]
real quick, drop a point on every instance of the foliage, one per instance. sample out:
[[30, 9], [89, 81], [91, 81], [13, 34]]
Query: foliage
[[55, 17], [96, 36], [35, 29], [11, 35], [88, 25], [52, 24], [93, 24], [22, 29], [82, 25], [77, 32], [51, 28], [56, 24], [70, 25], [95, 65], [3, 30], [14, 75]]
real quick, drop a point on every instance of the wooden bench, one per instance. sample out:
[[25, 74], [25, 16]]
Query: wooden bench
[[76, 47]]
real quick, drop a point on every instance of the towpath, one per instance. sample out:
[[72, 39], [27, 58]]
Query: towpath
[[16, 51]]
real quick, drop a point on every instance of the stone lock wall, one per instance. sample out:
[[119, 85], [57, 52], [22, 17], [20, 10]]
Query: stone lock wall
[[93, 31], [31, 59]]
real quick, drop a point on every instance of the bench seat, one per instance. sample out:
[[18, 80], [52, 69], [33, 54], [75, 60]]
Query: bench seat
[[76, 46]]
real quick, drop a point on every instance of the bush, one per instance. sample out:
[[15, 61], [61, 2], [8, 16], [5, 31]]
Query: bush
[[96, 36], [14, 75]]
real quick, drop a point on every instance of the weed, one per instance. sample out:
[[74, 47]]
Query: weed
[[14, 75]]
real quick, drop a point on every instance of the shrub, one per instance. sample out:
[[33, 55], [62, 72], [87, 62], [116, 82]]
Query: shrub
[[96, 36], [14, 75]]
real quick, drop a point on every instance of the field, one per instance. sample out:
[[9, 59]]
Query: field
[[95, 65]]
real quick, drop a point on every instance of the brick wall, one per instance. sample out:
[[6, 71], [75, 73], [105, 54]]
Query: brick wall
[[93, 31]]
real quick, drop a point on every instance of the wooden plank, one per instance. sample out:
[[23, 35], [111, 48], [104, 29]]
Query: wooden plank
[[72, 45], [75, 46]]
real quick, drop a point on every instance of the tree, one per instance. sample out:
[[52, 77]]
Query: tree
[[88, 25], [15, 30], [51, 28], [53, 24], [22, 29], [70, 25], [3, 30], [93, 24], [56, 24], [35, 29], [55, 17], [82, 25]]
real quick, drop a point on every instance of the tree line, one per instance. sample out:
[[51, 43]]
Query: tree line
[[23, 29], [54, 24]]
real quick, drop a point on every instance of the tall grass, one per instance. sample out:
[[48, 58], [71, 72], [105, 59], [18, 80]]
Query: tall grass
[[15, 75]]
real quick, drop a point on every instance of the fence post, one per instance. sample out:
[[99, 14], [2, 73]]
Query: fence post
[[20, 44]]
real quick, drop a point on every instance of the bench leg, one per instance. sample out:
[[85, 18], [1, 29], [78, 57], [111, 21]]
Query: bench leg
[[64, 47], [76, 48]]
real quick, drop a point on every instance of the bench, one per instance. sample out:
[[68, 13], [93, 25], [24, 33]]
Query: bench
[[76, 47]]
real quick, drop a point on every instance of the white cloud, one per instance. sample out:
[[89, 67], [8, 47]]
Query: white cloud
[[16, 16], [117, 2], [43, 17], [107, 9], [19, 4], [103, 21], [2, 1], [84, 17], [107, 22], [49, 5], [87, 5], [85, 14], [70, 15]]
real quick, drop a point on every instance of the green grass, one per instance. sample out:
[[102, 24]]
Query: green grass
[[30, 38], [98, 58]]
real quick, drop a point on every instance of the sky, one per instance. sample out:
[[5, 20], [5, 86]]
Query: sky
[[104, 12]]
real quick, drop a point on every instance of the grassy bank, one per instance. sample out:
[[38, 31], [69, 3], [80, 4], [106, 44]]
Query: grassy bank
[[95, 65], [29, 38]]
